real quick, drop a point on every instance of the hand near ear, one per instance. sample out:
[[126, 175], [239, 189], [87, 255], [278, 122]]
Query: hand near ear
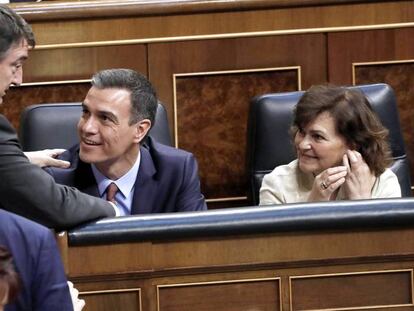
[[359, 180]]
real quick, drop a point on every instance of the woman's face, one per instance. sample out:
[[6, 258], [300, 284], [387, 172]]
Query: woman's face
[[319, 146]]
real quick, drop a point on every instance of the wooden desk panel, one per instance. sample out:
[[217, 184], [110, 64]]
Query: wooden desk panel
[[92, 21], [265, 272]]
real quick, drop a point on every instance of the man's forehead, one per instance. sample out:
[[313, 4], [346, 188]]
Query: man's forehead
[[19, 49], [110, 94], [109, 97], [20, 43]]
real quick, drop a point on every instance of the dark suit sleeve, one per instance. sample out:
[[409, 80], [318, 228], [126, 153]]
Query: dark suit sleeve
[[50, 289], [190, 197], [27, 190]]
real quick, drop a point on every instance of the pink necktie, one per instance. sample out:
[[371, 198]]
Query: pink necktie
[[111, 191]]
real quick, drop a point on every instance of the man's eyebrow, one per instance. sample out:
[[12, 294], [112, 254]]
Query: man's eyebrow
[[109, 115], [105, 113], [22, 58]]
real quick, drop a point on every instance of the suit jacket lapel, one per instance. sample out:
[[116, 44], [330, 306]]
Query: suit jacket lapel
[[145, 185], [85, 180]]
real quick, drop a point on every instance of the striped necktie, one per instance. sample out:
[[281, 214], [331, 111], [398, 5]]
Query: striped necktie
[[111, 191]]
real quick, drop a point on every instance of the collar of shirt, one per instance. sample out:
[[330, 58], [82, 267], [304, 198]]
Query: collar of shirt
[[125, 183]]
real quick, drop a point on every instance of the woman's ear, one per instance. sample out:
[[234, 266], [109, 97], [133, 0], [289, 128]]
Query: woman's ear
[[353, 146], [141, 130]]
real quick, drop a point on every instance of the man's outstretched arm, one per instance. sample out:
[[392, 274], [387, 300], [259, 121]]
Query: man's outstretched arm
[[27, 190]]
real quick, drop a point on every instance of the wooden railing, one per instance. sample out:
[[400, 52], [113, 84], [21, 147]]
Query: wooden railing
[[352, 255]]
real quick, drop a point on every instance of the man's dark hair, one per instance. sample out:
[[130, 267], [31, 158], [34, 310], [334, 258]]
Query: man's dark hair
[[13, 29], [143, 97]]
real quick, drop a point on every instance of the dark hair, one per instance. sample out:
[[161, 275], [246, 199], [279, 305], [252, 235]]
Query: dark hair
[[354, 118], [9, 278], [143, 97], [13, 29]]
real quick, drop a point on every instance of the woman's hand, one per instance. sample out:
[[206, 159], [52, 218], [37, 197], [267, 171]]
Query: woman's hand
[[47, 157], [327, 183], [359, 180]]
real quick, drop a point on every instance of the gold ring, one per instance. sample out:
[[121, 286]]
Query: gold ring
[[324, 186]]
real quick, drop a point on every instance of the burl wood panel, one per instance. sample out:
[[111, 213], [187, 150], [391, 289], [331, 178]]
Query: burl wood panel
[[237, 296], [400, 77], [20, 97], [351, 291], [212, 123], [225, 102], [166, 59], [67, 64], [345, 48], [112, 300]]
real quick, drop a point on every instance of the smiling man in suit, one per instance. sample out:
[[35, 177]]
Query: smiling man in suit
[[118, 112]]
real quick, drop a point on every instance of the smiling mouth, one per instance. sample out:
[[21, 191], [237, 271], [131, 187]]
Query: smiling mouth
[[307, 156], [90, 142]]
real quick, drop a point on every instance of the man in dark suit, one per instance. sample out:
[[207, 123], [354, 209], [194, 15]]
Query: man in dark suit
[[38, 264], [26, 189], [118, 112]]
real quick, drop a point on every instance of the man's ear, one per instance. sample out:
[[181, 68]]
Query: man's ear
[[142, 127]]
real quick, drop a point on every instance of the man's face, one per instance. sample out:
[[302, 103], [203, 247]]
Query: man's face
[[11, 66], [106, 137]]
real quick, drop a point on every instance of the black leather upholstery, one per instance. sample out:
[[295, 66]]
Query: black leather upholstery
[[48, 126], [269, 141], [248, 220]]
